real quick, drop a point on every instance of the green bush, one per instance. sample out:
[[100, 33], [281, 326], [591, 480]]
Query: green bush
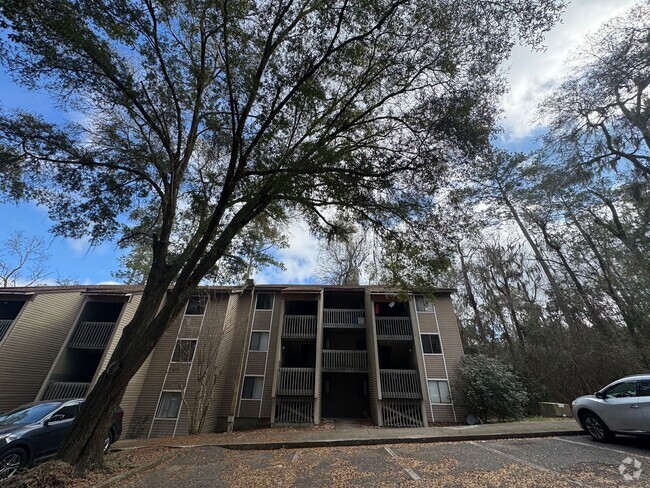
[[491, 389]]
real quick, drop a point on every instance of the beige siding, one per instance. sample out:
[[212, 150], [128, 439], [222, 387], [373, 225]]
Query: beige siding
[[267, 400], [127, 315], [159, 360], [453, 349], [427, 322], [262, 319], [234, 381], [32, 345], [163, 428], [435, 366], [373, 362], [256, 363], [443, 413], [130, 400], [249, 408], [215, 331]]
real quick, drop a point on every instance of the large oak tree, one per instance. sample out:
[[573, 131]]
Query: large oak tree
[[229, 110]]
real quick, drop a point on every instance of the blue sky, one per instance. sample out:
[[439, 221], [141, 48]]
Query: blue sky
[[531, 75]]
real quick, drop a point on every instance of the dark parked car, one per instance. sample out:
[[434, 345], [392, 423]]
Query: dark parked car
[[35, 432]]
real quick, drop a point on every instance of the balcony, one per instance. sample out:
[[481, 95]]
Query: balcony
[[299, 327], [61, 390], [394, 328], [296, 381], [399, 383], [4, 327], [345, 361], [91, 335], [344, 318]]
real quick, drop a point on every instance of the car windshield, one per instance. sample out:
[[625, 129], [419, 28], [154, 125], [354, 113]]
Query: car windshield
[[28, 415]]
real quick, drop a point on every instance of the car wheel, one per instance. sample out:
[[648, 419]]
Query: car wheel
[[107, 442], [11, 462], [597, 428]]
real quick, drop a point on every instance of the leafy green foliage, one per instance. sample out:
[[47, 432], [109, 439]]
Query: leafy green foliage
[[491, 389]]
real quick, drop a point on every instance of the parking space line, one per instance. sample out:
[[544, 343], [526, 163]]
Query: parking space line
[[295, 457], [527, 463], [409, 471], [625, 453]]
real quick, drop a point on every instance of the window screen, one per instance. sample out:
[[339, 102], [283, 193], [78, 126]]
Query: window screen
[[431, 344], [423, 304], [439, 391], [253, 387], [169, 405], [264, 301], [196, 305], [259, 341], [184, 351]]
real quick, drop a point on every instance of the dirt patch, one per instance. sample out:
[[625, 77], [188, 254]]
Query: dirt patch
[[57, 474]]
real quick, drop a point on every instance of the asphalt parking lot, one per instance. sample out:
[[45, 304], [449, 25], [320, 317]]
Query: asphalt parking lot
[[554, 461]]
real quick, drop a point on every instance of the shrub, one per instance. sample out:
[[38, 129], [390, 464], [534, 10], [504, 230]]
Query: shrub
[[491, 389]]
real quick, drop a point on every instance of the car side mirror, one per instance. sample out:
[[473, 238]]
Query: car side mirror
[[600, 395], [54, 418]]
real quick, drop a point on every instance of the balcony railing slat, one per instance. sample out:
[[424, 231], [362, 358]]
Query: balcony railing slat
[[345, 318], [394, 328], [400, 413], [299, 327], [91, 335], [63, 390], [4, 327], [296, 381], [290, 411], [345, 361], [400, 383]]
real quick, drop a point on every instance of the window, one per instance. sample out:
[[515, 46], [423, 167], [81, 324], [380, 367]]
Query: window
[[431, 344], [423, 304], [259, 341], [622, 390], [264, 301], [69, 411], [439, 391], [169, 405], [184, 351], [253, 388], [644, 388], [196, 305]]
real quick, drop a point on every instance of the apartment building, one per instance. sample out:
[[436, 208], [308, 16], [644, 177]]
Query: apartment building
[[244, 356]]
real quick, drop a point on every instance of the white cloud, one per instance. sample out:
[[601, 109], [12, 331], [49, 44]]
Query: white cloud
[[532, 75], [299, 258]]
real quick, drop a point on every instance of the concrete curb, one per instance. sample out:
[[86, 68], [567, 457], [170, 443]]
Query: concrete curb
[[127, 474], [256, 446], [260, 446]]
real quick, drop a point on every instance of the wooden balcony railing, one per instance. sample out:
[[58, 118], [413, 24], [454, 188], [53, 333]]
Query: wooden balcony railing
[[61, 390], [402, 413], [91, 335], [4, 327], [345, 361], [347, 318], [299, 327], [296, 381], [400, 383], [394, 328], [290, 411]]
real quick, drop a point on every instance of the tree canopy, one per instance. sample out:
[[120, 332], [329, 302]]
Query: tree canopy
[[224, 111]]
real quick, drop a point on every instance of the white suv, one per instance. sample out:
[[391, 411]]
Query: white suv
[[622, 407]]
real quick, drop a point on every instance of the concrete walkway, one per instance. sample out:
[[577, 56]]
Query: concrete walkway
[[345, 433]]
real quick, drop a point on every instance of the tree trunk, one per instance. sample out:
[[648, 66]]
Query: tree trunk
[[478, 322]]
